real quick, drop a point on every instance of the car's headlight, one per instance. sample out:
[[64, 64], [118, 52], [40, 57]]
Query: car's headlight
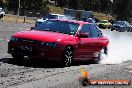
[[50, 44], [13, 39]]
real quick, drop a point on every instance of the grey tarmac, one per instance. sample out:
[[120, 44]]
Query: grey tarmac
[[32, 74]]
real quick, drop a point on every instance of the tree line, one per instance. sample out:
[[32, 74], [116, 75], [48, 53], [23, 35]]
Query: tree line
[[118, 7]]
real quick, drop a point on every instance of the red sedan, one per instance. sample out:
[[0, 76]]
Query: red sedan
[[59, 40]]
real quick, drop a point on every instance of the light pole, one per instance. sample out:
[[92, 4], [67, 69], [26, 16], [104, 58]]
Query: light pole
[[18, 13]]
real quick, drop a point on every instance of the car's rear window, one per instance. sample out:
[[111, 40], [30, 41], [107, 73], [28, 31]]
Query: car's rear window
[[58, 26]]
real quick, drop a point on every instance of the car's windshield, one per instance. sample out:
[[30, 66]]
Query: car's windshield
[[69, 18], [120, 22], [104, 21], [0, 9], [49, 16], [58, 26], [62, 17]]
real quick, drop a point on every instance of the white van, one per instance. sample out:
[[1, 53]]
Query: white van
[[2, 13]]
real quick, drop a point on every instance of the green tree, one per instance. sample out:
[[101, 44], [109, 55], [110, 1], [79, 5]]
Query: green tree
[[120, 9], [28, 5]]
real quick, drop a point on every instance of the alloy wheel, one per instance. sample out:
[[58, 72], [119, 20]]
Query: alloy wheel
[[68, 55]]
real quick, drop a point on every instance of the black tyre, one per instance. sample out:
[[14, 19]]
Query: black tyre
[[16, 58], [100, 26], [97, 60], [67, 56], [120, 31], [109, 27], [105, 51], [129, 30], [1, 16]]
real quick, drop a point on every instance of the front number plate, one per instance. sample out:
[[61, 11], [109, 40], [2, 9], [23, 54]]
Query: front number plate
[[26, 48]]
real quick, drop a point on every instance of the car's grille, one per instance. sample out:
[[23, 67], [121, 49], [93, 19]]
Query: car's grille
[[29, 41]]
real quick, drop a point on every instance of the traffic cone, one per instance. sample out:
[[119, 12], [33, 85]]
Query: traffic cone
[[83, 72]]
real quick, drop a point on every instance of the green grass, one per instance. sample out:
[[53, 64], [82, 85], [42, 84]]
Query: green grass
[[56, 10], [102, 16], [99, 16]]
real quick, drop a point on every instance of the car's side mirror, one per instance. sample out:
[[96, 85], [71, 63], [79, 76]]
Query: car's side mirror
[[82, 35], [32, 28]]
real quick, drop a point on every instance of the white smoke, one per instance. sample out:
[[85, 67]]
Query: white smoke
[[120, 47]]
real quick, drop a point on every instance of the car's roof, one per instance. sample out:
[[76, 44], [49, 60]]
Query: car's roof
[[104, 20], [73, 21], [57, 14], [121, 21]]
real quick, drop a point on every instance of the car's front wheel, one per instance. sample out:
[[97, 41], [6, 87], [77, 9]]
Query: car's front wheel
[[1, 16], [100, 26], [67, 56], [109, 27], [17, 57]]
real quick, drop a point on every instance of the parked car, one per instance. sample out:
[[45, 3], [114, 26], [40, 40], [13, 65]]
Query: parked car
[[91, 20], [52, 16], [60, 40], [2, 13], [121, 26], [104, 24]]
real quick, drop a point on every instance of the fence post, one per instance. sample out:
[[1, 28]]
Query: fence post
[[24, 19]]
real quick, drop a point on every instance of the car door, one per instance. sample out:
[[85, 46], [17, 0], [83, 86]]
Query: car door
[[83, 51], [97, 39], [90, 46]]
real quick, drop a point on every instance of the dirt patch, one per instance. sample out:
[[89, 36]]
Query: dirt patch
[[54, 9], [18, 19], [102, 16]]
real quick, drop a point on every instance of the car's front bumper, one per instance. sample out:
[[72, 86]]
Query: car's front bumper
[[119, 28], [31, 50]]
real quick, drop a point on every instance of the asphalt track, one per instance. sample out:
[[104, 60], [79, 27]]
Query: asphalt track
[[38, 74]]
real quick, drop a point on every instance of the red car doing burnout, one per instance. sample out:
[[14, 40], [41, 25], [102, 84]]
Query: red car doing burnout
[[60, 40]]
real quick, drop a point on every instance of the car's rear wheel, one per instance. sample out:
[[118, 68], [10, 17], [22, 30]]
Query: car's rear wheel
[[97, 60], [120, 31], [99, 57], [129, 30], [67, 56]]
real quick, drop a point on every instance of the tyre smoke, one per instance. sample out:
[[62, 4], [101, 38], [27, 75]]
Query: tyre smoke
[[120, 48]]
